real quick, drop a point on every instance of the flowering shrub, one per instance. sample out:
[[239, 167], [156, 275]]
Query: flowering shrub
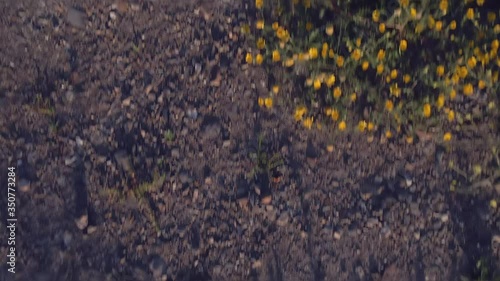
[[393, 68]]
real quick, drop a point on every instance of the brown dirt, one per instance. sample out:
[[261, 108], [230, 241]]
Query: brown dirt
[[97, 103]]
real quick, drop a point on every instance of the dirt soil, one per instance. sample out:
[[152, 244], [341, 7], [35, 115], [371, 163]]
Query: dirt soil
[[133, 127]]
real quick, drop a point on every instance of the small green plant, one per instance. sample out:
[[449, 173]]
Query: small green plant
[[169, 136], [140, 194], [482, 272], [262, 163]]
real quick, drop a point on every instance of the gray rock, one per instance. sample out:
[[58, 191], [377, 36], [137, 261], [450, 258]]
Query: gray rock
[[192, 113], [175, 153], [158, 267], [76, 18], [123, 160]]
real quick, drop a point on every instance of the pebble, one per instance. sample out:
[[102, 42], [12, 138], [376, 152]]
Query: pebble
[[185, 178], [67, 239], [158, 267], [76, 18], [337, 235], [70, 161], [266, 200], [416, 235], [372, 222], [175, 153], [24, 185], [91, 229], [192, 113], [79, 141], [123, 161], [385, 231], [283, 219], [82, 222]]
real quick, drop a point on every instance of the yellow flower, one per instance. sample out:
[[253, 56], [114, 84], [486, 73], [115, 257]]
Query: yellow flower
[[480, 2], [440, 70], [365, 65], [453, 94], [419, 28], [259, 59], [404, 3], [409, 139], [268, 102], [335, 115], [337, 92], [276, 56], [376, 16], [388, 134], [340, 61], [249, 58], [282, 34], [260, 101], [394, 74], [394, 90], [329, 30], [362, 125], [358, 42], [317, 84], [289, 62], [275, 25], [496, 29], [353, 97], [462, 72], [381, 27], [245, 29], [471, 62], [389, 105], [276, 89], [447, 136], [380, 54], [443, 6], [495, 44], [413, 13], [370, 126], [439, 25], [324, 50], [261, 43], [451, 115], [309, 26], [493, 203], [453, 25], [331, 53], [313, 53], [470, 14], [308, 122], [260, 24], [330, 80], [440, 101], [431, 22], [406, 78], [299, 112], [481, 84], [307, 3], [342, 125], [403, 45], [356, 54], [491, 17], [380, 68], [259, 4], [427, 110], [387, 79]]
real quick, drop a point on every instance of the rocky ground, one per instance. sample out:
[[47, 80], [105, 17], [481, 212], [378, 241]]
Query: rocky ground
[[134, 127]]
